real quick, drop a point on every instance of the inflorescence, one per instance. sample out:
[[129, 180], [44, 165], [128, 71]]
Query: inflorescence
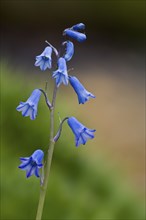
[[29, 108]]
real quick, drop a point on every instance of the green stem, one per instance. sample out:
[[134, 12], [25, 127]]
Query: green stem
[[43, 188]]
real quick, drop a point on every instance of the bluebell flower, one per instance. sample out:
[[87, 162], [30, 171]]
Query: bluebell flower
[[78, 27], [80, 37], [32, 164], [29, 108], [69, 50], [44, 59], [61, 74], [82, 134], [82, 93]]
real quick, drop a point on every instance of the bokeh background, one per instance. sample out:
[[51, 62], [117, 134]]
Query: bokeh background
[[105, 179]]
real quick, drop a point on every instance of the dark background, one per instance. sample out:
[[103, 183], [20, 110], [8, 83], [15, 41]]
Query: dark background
[[114, 26]]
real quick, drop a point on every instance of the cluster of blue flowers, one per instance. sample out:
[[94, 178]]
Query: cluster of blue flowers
[[33, 163]]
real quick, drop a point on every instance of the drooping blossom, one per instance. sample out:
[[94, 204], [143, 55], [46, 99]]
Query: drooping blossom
[[82, 133], [29, 108], [44, 60], [61, 74], [32, 164], [82, 93], [69, 50]]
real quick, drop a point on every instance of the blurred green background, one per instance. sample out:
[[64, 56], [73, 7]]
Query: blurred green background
[[105, 179]]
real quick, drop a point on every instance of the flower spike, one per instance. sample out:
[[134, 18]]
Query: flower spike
[[82, 93], [80, 37], [29, 108], [82, 134], [61, 74], [32, 164], [44, 60]]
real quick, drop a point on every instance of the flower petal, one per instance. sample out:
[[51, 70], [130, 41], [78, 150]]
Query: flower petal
[[38, 61], [80, 37], [44, 59], [24, 165], [32, 164], [69, 50], [37, 172], [24, 158], [82, 93], [82, 134], [29, 108], [78, 27], [37, 156], [79, 141], [25, 110], [30, 171], [61, 74]]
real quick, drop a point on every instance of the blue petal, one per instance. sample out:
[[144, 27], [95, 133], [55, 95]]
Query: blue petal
[[82, 134], [39, 165], [60, 74], [80, 37], [85, 136], [47, 52], [29, 108], [37, 172], [58, 79], [75, 126], [38, 61], [33, 163], [55, 74], [78, 27], [88, 134], [29, 111], [43, 65], [24, 165], [62, 65], [44, 59], [37, 156], [20, 106], [79, 141], [25, 109], [49, 64], [82, 93], [30, 171], [65, 80], [69, 50], [24, 158], [34, 98]]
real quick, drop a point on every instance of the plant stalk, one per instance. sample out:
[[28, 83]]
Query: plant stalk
[[43, 188]]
